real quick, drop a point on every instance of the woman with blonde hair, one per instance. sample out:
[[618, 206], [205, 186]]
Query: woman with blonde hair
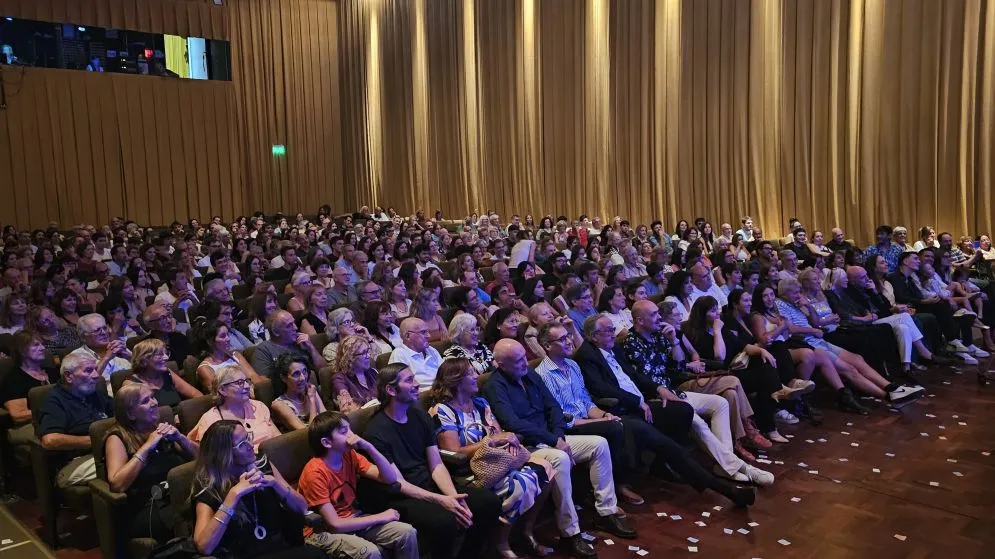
[[148, 367], [426, 307], [355, 380], [315, 321], [232, 400], [464, 423], [139, 453]]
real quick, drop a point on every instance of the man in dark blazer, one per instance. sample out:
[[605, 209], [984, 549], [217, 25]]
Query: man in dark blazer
[[651, 425]]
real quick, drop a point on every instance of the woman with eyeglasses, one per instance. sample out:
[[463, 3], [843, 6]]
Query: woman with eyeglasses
[[355, 380], [341, 324], [139, 453], [232, 400], [148, 366], [297, 406], [464, 329], [242, 510]]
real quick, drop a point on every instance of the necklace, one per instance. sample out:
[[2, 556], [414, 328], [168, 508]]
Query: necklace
[[260, 530]]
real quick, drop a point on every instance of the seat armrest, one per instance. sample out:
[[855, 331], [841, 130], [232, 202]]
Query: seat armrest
[[454, 461], [606, 403], [102, 490]]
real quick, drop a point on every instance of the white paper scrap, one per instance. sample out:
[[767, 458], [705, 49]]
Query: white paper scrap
[[844, 460], [802, 465], [753, 524], [955, 416], [609, 542], [706, 514], [796, 500], [985, 453], [931, 416], [854, 444], [822, 440], [889, 454], [661, 514], [958, 474], [644, 553], [784, 542], [634, 548], [700, 524], [814, 472], [952, 460], [875, 470], [844, 433], [743, 531], [942, 438], [934, 484], [923, 434], [675, 517], [693, 540], [809, 441], [727, 531], [779, 462], [693, 549], [587, 537], [717, 507], [6, 541], [962, 424], [900, 537]]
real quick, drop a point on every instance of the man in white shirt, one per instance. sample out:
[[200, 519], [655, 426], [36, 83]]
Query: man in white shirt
[[416, 353], [112, 355], [118, 264], [424, 259], [747, 230], [701, 283]]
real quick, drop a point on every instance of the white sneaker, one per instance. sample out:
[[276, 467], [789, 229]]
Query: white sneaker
[[786, 417], [977, 351], [760, 477], [966, 358], [905, 393], [955, 346], [738, 476], [777, 437]]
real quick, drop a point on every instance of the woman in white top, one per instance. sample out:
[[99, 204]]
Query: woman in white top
[[612, 304], [213, 341], [397, 296], [927, 238], [381, 324], [679, 292], [877, 270]]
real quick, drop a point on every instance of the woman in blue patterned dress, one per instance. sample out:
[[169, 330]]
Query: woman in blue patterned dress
[[463, 423], [851, 366]]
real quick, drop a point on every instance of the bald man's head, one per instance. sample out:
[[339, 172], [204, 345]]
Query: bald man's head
[[414, 333], [509, 356], [645, 317], [856, 276], [701, 277]]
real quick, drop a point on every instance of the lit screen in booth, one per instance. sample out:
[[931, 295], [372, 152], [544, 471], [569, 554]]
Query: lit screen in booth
[[86, 48]]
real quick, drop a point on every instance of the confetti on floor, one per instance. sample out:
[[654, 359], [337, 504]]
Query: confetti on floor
[[784, 542], [900, 537]]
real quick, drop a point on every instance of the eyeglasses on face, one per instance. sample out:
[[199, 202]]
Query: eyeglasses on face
[[240, 383]]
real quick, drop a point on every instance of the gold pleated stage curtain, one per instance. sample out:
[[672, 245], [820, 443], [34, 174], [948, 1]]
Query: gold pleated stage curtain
[[851, 112], [81, 148]]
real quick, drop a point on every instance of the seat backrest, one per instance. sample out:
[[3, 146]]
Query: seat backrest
[[534, 363], [284, 298], [441, 346], [320, 340], [482, 380], [249, 353], [6, 368], [180, 479], [288, 453], [359, 419], [7, 343], [382, 360], [190, 411], [118, 378], [325, 375], [98, 436], [264, 391], [36, 398]]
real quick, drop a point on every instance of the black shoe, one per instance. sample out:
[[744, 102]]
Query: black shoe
[[575, 546], [848, 402], [940, 360], [807, 411], [740, 495], [615, 524]]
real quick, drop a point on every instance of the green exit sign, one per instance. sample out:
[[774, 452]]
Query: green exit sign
[[279, 149]]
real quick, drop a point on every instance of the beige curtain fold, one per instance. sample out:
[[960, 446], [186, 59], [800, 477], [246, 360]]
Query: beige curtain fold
[[82, 148], [850, 112]]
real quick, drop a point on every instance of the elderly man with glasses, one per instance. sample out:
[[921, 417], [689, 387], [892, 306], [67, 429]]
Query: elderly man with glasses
[[416, 353], [110, 354], [159, 321]]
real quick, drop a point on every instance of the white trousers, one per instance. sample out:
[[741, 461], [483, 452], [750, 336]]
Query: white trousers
[[714, 436], [906, 332], [590, 449]]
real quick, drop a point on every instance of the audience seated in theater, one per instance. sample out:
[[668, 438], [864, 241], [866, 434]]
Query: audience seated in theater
[[426, 308], [850, 365], [453, 520], [240, 508], [342, 322], [613, 305], [139, 452], [158, 318], [381, 325], [65, 417], [213, 341], [702, 284], [885, 248], [329, 484], [416, 353], [464, 424], [300, 402], [284, 338], [678, 292], [354, 378], [111, 355], [464, 331], [233, 401], [148, 368], [523, 404], [29, 370]]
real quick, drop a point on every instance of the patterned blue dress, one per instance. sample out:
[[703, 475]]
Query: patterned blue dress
[[520, 488], [795, 316]]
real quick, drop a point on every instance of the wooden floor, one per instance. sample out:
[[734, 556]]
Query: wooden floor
[[909, 484]]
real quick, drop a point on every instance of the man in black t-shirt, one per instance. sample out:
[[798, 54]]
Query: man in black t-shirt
[[65, 417], [451, 521]]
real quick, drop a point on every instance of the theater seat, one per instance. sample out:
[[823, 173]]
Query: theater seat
[[110, 507]]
